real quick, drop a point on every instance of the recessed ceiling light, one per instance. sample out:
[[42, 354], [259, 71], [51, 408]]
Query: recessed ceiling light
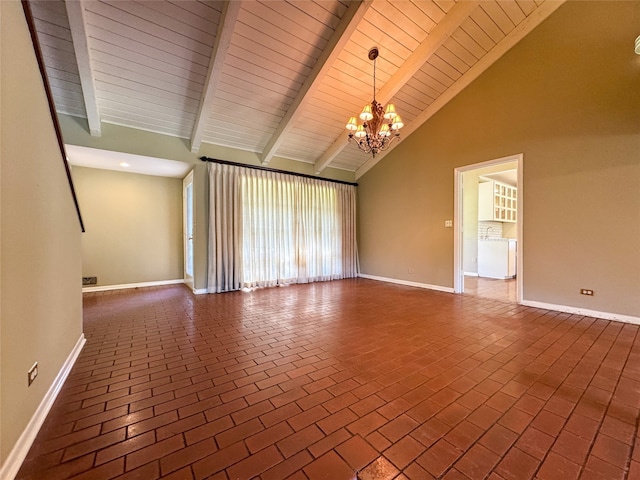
[[124, 164]]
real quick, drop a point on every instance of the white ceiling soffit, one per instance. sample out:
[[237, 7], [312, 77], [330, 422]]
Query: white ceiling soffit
[[125, 162], [274, 77]]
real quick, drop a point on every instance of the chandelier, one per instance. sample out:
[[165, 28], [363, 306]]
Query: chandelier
[[380, 126]]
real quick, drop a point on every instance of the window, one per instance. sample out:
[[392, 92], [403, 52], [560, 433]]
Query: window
[[285, 229]]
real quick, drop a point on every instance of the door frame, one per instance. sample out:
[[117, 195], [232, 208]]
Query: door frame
[[458, 240], [188, 180]]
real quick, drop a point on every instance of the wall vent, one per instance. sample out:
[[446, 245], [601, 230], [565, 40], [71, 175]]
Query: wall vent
[[89, 281]]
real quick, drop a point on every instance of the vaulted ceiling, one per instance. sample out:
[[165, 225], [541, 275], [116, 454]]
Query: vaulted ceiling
[[279, 78]]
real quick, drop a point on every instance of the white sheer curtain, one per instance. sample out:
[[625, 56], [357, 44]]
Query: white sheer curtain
[[224, 251], [284, 229]]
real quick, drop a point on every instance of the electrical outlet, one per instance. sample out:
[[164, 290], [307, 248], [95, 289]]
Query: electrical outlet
[[448, 223], [32, 374], [586, 291]]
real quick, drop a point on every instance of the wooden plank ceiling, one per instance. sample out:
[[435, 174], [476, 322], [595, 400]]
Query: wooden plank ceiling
[[279, 78]]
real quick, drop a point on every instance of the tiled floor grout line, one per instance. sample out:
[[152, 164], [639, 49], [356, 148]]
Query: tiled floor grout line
[[426, 366], [592, 442], [540, 464], [452, 467], [636, 443], [495, 422], [178, 358], [637, 425]]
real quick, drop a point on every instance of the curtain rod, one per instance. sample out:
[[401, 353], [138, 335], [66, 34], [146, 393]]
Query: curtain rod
[[275, 170]]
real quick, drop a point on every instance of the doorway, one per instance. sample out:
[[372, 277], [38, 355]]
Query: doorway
[[488, 239], [187, 215]]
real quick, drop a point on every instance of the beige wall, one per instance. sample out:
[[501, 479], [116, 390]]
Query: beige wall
[[510, 230], [567, 98], [133, 226], [41, 309], [130, 140]]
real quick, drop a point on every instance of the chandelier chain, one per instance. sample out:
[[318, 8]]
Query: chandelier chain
[[374, 78]]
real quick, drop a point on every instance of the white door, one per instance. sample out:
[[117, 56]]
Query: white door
[[187, 215], [459, 236]]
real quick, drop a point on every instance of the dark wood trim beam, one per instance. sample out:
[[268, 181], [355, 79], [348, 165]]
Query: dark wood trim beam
[[52, 108]]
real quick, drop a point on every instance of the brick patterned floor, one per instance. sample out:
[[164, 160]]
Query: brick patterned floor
[[337, 379]]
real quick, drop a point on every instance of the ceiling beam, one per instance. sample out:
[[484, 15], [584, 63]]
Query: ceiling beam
[[503, 46], [77, 23], [341, 35], [437, 36], [220, 48]]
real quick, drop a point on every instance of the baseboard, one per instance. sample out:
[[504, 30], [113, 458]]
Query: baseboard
[[583, 311], [471, 274], [103, 288], [407, 283], [199, 291], [19, 452]]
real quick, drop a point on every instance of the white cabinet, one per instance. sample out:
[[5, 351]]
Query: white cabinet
[[497, 258], [497, 202]]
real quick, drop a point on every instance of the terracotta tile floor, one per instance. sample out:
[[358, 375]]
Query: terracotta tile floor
[[325, 380]]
